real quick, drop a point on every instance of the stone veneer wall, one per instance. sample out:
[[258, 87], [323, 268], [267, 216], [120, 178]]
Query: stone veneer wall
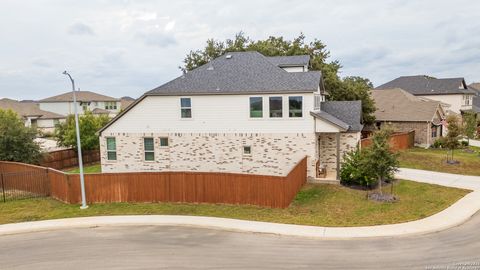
[[272, 154], [328, 148], [422, 131]]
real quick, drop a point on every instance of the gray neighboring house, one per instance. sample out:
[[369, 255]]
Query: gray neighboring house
[[243, 113], [451, 91]]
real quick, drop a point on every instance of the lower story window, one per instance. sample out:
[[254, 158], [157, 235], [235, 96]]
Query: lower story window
[[164, 142], [149, 149], [247, 150], [111, 149], [434, 131]]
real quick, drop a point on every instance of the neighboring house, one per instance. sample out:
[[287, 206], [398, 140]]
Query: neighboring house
[[405, 112], [86, 100], [125, 102], [452, 91], [32, 115], [240, 113]]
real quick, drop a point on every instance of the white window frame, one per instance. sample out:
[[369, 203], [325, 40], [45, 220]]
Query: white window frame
[[186, 107], [302, 109], [243, 150], [160, 142], [109, 150], [145, 151], [249, 107]]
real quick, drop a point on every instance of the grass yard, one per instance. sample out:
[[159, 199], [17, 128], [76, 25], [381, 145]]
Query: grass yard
[[94, 168], [435, 160], [320, 205]]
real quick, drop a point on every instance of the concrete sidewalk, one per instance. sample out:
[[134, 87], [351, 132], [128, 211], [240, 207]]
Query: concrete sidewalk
[[455, 215]]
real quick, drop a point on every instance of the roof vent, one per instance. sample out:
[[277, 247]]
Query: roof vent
[[229, 56]]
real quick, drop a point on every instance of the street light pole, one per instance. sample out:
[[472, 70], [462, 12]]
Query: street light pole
[[79, 144]]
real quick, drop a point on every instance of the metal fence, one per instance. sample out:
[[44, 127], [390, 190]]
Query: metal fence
[[24, 185]]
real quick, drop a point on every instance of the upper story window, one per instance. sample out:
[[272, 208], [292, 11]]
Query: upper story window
[[295, 106], [317, 101], [111, 148], [256, 107], [84, 105], [149, 149], [467, 100], [275, 106], [110, 105], [186, 107]]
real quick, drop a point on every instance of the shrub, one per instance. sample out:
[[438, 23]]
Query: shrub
[[353, 172], [439, 143], [464, 143]]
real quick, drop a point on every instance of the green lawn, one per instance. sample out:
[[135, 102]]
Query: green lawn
[[95, 168], [435, 160], [321, 205]]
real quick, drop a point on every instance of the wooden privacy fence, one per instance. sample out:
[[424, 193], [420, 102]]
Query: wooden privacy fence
[[68, 158], [398, 141], [192, 187]]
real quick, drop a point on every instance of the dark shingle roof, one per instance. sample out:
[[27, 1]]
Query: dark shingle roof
[[84, 96], [241, 73], [345, 114], [476, 104], [294, 60], [425, 85]]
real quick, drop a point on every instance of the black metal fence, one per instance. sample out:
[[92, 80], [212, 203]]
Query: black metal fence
[[23, 185]]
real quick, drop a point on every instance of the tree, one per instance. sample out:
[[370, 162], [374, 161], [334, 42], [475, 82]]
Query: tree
[[89, 125], [453, 135], [350, 88], [379, 160], [17, 141], [470, 124]]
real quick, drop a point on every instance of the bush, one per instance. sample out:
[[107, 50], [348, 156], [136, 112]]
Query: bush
[[439, 143], [17, 141], [353, 172], [464, 143]]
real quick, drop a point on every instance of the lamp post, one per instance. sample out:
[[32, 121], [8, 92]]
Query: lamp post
[[79, 144]]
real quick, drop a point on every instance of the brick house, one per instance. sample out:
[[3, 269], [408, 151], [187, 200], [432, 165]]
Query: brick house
[[405, 112], [242, 112]]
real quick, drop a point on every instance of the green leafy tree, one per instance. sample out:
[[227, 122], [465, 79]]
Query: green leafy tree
[[350, 88], [454, 134], [17, 141], [89, 125], [379, 160], [470, 124]]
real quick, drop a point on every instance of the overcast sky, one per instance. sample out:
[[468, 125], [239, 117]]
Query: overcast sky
[[125, 48]]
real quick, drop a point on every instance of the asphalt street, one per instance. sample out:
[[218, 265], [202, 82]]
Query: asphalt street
[[162, 247]]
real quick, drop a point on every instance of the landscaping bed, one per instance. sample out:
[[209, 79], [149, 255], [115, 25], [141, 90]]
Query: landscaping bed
[[319, 205], [436, 160]]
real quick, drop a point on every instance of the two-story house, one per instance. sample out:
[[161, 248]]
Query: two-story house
[[451, 91], [86, 100], [242, 112], [32, 115]]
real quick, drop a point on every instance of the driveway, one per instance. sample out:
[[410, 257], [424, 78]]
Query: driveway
[[157, 247]]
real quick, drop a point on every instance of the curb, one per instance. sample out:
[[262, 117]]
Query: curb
[[453, 216]]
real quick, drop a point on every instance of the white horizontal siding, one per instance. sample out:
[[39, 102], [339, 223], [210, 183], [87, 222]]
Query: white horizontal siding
[[213, 113]]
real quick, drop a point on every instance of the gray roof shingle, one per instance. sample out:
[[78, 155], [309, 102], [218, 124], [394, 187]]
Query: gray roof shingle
[[241, 73], [425, 85], [345, 114], [294, 60]]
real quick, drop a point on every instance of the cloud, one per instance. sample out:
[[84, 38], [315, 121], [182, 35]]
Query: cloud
[[80, 29], [169, 26], [157, 38]]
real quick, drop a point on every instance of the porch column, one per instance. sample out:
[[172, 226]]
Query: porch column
[[337, 139]]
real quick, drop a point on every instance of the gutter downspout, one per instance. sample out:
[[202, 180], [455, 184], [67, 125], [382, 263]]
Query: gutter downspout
[[337, 138]]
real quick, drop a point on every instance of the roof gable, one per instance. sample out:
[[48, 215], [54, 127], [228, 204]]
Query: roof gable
[[399, 105], [27, 109], [425, 85], [82, 96]]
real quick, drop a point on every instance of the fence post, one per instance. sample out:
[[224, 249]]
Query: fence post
[[3, 188]]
